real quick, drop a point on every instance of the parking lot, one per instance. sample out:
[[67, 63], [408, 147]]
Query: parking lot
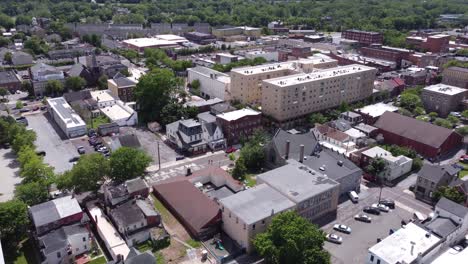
[[9, 174], [59, 150], [149, 142], [364, 235]]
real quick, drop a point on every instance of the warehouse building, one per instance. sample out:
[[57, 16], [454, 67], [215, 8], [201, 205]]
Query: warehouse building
[[65, 117]]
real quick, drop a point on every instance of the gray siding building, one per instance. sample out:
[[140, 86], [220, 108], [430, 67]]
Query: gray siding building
[[442, 98], [431, 177]]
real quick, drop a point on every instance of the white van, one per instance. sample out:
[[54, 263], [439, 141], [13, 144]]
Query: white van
[[353, 196]]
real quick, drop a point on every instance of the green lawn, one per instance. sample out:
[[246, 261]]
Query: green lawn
[[97, 121], [24, 255], [194, 243], [159, 258], [250, 180], [464, 172], [100, 260], [165, 214]]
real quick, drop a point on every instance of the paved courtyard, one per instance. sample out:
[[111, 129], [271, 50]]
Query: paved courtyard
[[9, 174], [51, 140]]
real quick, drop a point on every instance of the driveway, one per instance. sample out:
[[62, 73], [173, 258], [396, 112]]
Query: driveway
[[9, 174], [51, 140]]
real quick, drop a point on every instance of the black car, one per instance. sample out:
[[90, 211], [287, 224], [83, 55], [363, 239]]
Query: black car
[[179, 157], [41, 153], [24, 110], [74, 159], [371, 210], [389, 203]]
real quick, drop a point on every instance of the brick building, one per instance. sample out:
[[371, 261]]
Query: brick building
[[428, 140], [363, 37], [10, 80], [433, 43], [386, 53], [456, 76], [238, 124]]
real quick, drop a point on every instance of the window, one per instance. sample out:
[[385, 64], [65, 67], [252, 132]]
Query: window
[[263, 222], [85, 247], [84, 239], [59, 255], [253, 227], [378, 261], [372, 258]]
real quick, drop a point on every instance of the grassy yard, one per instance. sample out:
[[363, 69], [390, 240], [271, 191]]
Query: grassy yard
[[165, 214], [250, 180], [24, 255], [464, 172], [97, 121], [100, 260], [194, 243]]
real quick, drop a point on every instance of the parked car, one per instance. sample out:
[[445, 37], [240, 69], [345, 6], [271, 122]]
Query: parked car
[[41, 153], [24, 110], [388, 202], [74, 159], [458, 248], [92, 132], [334, 238], [342, 228], [102, 149], [35, 108], [180, 157], [381, 207], [371, 210], [43, 108], [353, 196], [231, 150], [363, 218], [464, 159], [81, 150]]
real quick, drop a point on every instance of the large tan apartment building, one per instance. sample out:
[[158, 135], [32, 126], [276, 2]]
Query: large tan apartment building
[[246, 82], [290, 98]]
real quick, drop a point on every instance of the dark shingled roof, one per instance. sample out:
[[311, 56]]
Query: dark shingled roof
[[329, 160], [452, 207], [442, 226], [308, 140], [194, 207], [127, 213], [135, 185], [413, 129], [434, 173]]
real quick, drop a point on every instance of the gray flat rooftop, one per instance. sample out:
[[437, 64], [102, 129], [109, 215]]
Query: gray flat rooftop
[[66, 113], [257, 203], [297, 181]]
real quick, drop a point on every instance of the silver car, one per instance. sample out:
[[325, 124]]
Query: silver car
[[342, 228], [381, 207], [334, 238]]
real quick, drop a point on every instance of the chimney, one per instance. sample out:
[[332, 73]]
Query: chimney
[[412, 247], [301, 153], [189, 172], [96, 219], [286, 155]]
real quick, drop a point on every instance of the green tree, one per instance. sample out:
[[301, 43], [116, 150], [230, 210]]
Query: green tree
[[128, 163], [290, 238], [75, 83], [36, 45], [54, 87], [32, 193], [239, 170], [3, 92], [26, 86], [6, 21], [102, 82], [465, 114], [87, 175], [14, 221], [433, 115], [443, 123], [410, 101], [317, 118], [35, 170], [154, 91], [450, 193], [4, 42], [419, 111], [25, 138], [19, 105], [376, 167], [463, 130], [453, 120], [8, 57]]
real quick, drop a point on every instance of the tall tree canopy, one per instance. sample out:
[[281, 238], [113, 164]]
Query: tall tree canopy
[[290, 238], [128, 163]]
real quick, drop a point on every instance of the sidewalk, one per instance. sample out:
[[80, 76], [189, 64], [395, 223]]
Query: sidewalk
[[155, 168]]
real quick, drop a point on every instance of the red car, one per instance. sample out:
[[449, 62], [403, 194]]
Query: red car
[[464, 158], [231, 150]]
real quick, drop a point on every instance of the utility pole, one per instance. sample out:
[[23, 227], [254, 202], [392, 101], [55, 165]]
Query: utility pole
[[159, 158]]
